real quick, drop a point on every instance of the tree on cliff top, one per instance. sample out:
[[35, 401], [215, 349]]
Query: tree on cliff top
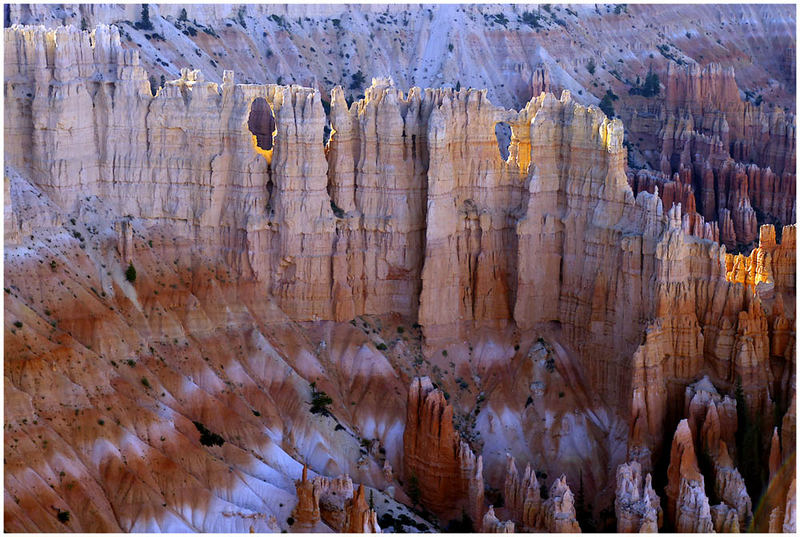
[[607, 104], [145, 23]]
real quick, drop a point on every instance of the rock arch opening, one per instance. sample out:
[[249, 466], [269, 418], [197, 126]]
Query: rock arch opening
[[262, 124], [502, 132]]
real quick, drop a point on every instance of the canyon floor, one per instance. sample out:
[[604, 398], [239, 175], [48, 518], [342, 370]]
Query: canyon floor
[[404, 269]]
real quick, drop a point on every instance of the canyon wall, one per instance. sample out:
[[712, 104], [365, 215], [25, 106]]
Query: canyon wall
[[409, 209]]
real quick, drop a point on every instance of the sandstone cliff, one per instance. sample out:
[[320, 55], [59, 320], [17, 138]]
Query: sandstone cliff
[[267, 260]]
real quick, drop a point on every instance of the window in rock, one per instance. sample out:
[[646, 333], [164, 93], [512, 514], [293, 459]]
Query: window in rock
[[502, 131], [261, 123]]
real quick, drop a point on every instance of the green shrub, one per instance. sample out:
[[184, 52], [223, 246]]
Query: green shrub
[[607, 104], [145, 23], [207, 438], [320, 401], [531, 19], [358, 80], [381, 346], [63, 516], [338, 212], [130, 273], [650, 88]]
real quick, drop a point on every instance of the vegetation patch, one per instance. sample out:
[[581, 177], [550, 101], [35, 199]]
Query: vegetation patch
[[207, 438]]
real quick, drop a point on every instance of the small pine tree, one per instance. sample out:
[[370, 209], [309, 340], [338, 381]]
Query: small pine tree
[[130, 273], [182, 16], [607, 105], [652, 85], [84, 24], [590, 66], [145, 24]]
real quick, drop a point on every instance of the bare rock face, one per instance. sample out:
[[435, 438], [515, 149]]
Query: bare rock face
[[687, 504], [637, 506], [442, 465]]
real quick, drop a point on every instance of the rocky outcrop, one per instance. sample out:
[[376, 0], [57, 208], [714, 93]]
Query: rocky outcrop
[[790, 518], [725, 519], [687, 503], [333, 495], [491, 524], [559, 509], [775, 458], [334, 502], [637, 506], [306, 513], [522, 497], [711, 95], [449, 477], [359, 517]]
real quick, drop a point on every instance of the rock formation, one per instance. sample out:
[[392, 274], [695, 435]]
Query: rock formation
[[733, 158], [522, 497], [559, 509], [448, 475], [725, 519], [334, 502], [790, 518], [360, 518], [306, 512], [491, 524], [687, 504], [637, 505]]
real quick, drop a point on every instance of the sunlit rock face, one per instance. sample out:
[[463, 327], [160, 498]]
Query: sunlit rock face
[[230, 307]]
